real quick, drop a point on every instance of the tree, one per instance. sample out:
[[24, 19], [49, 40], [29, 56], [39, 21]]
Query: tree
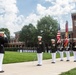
[[28, 34], [6, 31], [47, 28]]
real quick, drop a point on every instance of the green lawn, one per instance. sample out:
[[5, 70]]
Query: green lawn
[[15, 57], [71, 72]]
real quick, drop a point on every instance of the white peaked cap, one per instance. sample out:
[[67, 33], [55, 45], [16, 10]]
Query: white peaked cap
[[39, 36], [52, 39], [2, 32]]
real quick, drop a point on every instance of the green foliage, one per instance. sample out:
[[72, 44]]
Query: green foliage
[[28, 34], [6, 31], [71, 72], [47, 27], [18, 48], [11, 48]]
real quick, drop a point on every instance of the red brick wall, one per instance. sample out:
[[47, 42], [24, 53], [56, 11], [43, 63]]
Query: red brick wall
[[74, 25]]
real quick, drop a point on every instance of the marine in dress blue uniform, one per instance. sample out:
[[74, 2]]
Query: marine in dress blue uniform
[[60, 49], [74, 50], [67, 50], [40, 50], [53, 50], [3, 40]]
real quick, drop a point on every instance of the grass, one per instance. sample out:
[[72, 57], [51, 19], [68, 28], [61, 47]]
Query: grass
[[15, 57], [71, 72]]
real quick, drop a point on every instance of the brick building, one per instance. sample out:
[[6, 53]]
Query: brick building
[[74, 25], [70, 34], [14, 41]]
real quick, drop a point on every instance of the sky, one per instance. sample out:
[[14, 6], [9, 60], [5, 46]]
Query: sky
[[14, 14]]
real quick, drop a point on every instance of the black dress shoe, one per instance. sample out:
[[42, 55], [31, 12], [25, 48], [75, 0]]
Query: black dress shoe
[[39, 65], [1, 71], [61, 60], [67, 60], [53, 62]]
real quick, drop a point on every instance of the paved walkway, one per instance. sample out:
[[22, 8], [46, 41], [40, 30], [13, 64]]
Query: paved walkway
[[30, 68]]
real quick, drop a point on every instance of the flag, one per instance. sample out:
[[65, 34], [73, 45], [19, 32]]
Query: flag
[[58, 35], [66, 42], [66, 35]]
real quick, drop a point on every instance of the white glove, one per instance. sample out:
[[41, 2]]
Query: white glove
[[5, 35]]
